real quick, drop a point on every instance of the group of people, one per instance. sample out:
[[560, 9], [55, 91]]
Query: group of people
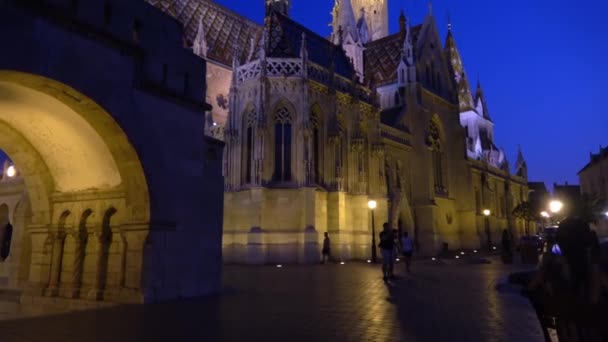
[[391, 245]]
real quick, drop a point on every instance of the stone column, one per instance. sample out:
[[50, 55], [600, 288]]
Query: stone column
[[91, 266], [116, 266], [57, 239], [67, 286], [40, 261], [134, 237]]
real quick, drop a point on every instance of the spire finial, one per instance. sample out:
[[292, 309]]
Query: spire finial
[[449, 22], [430, 7]]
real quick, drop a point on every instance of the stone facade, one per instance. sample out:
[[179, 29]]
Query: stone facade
[[102, 113], [593, 179], [317, 127]]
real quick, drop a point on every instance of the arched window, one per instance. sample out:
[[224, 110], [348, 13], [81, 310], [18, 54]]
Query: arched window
[[316, 142], [437, 157], [282, 145], [248, 147]]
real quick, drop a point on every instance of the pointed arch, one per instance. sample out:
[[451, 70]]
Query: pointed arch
[[249, 117], [316, 120], [283, 116]]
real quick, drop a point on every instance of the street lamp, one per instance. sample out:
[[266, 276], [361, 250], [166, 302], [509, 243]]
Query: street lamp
[[544, 214], [486, 214], [11, 171], [372, 205], [555, 206]]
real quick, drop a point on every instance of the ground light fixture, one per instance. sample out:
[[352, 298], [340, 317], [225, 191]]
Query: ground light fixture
[[341, 262], [474, 251], [462, 253], [606, 213], [11, 171], [486, 212]]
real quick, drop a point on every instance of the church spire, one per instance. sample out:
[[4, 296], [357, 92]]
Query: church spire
[[344, 20], [456, 67], [521, 167], [480, 101], [281, 6], [199, 47]]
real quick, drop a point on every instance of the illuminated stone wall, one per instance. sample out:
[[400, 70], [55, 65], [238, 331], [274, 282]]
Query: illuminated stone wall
[[114, 159]]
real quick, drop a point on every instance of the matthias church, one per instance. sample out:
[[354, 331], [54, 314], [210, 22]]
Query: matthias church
[[315, 127]]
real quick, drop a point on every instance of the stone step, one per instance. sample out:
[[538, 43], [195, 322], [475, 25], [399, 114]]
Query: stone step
[[10, 295]]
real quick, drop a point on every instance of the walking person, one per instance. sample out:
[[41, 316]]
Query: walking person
[[325, 252], [387, 246], [407, 245]]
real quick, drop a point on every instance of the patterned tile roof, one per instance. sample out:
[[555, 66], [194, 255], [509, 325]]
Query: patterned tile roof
[[382, 57], [224, 29]]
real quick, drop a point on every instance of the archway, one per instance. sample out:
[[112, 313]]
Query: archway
[[76, 163]]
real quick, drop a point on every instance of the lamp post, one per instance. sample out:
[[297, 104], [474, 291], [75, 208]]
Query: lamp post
[[486, 214], [555, 207], [372, 205]]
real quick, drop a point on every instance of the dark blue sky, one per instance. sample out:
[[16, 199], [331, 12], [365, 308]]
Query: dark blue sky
[[541, 63]]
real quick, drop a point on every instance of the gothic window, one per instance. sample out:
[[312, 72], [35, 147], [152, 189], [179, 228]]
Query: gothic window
[[248, 148], [402, 75], [437, 157], [316, 136], [282, 145], [396, 99]]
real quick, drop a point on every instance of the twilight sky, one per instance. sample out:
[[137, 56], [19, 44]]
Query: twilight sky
[[541, 63]]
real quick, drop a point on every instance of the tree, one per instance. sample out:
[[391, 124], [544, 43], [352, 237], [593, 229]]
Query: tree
[[526, 212]]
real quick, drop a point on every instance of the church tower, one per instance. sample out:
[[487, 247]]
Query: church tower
[[376, 15], [281, 6]]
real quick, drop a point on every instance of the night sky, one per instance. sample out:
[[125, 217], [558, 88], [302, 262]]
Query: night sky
[[541, 64]]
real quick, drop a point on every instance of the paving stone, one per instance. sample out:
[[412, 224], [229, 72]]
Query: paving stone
[[307, 303]]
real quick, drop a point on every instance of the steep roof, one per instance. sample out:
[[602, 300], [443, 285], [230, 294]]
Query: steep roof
[[224, 29], [382, 57], [285, 41]]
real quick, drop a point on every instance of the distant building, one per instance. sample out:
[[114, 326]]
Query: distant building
[[594, 184]]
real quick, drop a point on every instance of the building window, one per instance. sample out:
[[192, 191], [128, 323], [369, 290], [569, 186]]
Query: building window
[[437, 157], [282, 144], [316, 142], [248, 147]]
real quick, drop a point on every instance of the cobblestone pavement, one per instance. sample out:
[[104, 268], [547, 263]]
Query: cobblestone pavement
[[449, 302]]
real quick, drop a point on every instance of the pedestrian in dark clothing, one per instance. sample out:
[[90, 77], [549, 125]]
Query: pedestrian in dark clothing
[[407, 246], [387, 245], [325, 252], [507, 252]]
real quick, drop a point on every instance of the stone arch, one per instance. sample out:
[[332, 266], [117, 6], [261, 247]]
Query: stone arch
[[69, 151], [112, 161]]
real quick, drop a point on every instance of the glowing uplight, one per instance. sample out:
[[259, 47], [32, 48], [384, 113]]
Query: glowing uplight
[[11, 171], [372, 204], [433, 259], [341, 262], [368, 261], [494, 247], [606, 213], [544, 214], [279, 266], [475, 251], [397, 259], [486, 212], [458, 257], [462, 253]]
